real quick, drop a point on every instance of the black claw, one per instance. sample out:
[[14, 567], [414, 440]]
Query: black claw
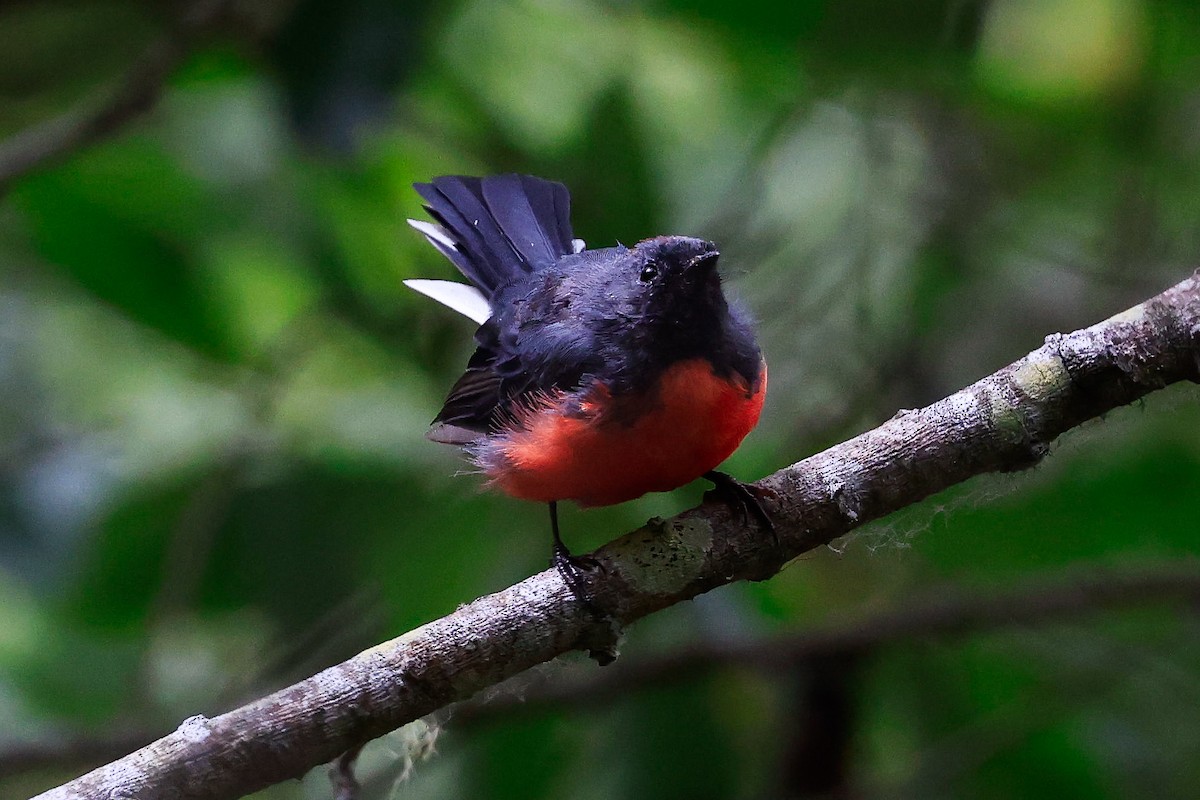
[[744, 497], [571, 568]]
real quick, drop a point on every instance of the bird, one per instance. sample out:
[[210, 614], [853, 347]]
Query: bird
[[599, 375]]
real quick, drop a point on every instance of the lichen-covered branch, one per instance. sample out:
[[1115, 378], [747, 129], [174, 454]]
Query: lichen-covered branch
[[1004, 422]]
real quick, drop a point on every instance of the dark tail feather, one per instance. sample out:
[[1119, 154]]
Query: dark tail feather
[[532, 213], [502, 226], [481, 252]]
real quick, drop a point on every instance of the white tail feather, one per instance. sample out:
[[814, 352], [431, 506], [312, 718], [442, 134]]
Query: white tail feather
[[434, 233], [462, 297]]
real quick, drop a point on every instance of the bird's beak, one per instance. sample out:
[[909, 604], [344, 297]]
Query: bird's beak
[[706, 260]]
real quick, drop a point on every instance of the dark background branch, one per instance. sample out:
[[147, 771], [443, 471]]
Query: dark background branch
[[947, 611], [943, 612], [102, 115]]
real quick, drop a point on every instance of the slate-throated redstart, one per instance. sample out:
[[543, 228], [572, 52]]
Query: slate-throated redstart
[[600, 375]]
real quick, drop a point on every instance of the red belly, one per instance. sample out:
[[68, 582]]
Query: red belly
[[607, 450]]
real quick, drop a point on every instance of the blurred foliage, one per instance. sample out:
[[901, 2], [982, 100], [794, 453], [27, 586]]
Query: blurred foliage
[[213, 386]]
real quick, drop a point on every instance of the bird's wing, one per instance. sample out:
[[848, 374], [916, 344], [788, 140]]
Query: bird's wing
[[521, 358]]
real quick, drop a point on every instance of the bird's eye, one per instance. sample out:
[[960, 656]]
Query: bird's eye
[[649, 273]]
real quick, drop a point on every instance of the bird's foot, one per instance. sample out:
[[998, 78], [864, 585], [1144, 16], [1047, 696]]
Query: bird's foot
[[574, 571], [577, 572], [747, 499], [603, 638]]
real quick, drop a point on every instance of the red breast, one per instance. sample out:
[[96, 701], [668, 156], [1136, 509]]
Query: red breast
[[598, 450]]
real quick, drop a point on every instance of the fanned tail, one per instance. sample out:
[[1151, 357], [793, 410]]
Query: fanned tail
[[498, 228]]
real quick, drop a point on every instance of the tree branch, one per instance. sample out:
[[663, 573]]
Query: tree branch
[[1004, 422], [94, 119]]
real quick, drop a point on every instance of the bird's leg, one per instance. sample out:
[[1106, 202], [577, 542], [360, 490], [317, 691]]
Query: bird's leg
[[744, 497], [561, 553], [569, 567]]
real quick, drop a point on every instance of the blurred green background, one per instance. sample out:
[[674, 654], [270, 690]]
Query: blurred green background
[[214, 388]]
